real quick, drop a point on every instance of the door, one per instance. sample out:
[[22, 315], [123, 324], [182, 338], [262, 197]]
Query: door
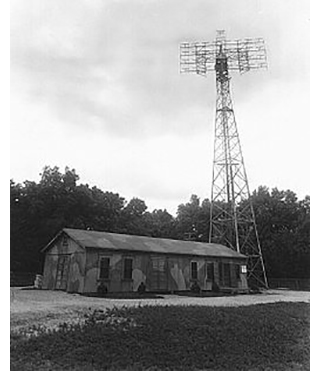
[[62, 272], [159, 277], [226, 275]]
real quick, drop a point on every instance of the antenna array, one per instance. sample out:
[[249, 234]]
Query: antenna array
[[242, 55]]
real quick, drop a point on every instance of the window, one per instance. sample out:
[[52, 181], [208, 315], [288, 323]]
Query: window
[[194, 271], [210, 271], [104, 268], [243, 269], [128, 268]]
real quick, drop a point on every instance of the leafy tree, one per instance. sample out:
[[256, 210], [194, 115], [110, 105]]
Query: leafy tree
[[40, 210], [105, 210], [282, 227], [132, 218], [193, 220], [160, 224]]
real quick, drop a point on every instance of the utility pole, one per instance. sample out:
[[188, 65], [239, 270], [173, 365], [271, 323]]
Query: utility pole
[[232, 220]]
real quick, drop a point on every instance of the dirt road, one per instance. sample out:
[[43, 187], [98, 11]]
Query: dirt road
[[49, 308]]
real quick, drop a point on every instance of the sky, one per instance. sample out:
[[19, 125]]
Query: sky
[[95, 86]]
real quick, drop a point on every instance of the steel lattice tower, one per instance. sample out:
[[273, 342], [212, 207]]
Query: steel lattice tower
[[232, 219]]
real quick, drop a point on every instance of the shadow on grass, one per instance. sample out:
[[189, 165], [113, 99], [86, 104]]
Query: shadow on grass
[[259, 337]]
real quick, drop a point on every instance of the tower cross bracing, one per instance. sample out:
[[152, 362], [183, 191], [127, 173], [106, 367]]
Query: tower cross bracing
[[232, 219]]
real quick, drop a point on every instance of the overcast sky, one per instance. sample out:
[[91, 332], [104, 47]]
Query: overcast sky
[[95, 86]]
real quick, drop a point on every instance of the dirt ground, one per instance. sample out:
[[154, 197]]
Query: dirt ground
[[49, 308]]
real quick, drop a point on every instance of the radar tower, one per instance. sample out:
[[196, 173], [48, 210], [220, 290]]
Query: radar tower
[[232, 219]]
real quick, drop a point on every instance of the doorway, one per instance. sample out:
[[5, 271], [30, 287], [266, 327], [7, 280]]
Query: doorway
[[62, 272], [226, 275]]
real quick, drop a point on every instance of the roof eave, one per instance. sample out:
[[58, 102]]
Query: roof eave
[[240, 256], [52, 241]]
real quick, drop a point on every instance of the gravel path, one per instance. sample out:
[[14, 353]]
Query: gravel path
[[35, 307]]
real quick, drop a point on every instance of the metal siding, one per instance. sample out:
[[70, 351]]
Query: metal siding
[[49, 273], [176, 280], [91, 271], [116, 273], [139, 273], [76, 273]]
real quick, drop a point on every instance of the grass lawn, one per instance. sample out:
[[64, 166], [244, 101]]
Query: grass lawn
[[259, 337]]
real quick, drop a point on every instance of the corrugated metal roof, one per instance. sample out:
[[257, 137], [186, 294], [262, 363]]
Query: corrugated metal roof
[[114, 241]]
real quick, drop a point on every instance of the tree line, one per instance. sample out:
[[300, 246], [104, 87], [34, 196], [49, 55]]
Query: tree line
[[40, 210]]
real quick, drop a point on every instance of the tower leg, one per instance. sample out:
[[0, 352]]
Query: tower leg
[[232, 221]]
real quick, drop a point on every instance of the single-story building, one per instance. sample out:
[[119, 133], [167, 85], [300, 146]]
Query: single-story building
[[81, 260]]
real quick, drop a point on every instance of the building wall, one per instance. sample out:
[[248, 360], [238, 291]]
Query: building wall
[[71, 268], [159, 272], [64, 266]]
